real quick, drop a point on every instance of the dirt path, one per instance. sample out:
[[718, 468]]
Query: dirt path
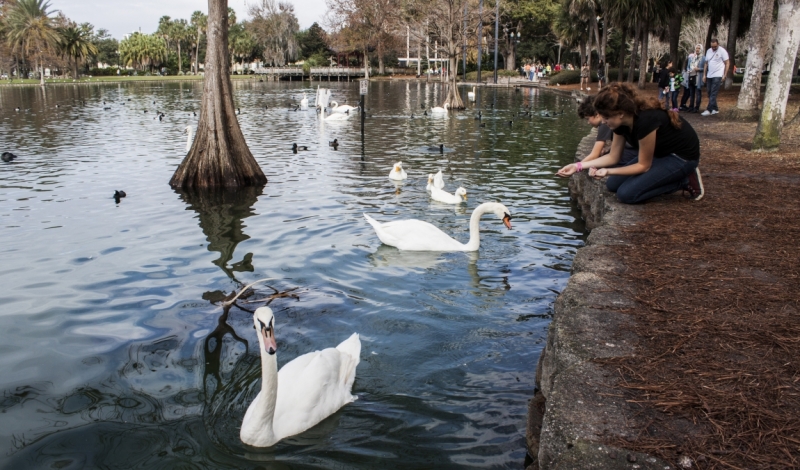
[[717, 373]]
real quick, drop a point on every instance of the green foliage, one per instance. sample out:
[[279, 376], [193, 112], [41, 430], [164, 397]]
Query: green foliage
[[565, 77], [106, 46], [313, 41]]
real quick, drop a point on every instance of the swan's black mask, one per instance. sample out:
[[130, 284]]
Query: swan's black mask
[[507, 220]]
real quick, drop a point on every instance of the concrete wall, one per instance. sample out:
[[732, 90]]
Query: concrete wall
[[577, 406]]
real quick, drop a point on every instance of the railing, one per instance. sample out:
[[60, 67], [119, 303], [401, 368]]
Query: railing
[[279, 70], [343, 71]]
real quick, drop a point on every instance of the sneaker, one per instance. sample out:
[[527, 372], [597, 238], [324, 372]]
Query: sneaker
[[676, 110], [706, 113], [695, 185], [715, 112]]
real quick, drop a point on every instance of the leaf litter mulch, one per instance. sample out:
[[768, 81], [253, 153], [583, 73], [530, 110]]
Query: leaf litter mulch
[[717, 371]]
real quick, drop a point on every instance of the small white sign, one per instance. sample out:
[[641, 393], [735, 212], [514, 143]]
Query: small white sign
[[362, 86]]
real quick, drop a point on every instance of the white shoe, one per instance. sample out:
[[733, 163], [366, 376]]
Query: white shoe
[[715, 112], [706, 113]]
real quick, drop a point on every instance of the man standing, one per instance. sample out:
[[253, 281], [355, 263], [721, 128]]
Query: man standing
[[715, 69]]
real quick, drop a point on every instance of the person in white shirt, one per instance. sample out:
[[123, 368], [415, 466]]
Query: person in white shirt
[[714, 71]]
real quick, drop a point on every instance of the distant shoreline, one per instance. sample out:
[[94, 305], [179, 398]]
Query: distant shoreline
[[114, 79]]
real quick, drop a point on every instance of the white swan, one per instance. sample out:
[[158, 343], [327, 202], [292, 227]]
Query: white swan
[[304, 102], [398, 173], [471, 94], [335, 108], [443, 196], [189, 131], [439, 109], [305, 391], [430, 183], [337, 117], [417, 235]]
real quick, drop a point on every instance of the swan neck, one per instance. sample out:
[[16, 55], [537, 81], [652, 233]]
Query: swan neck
[[475, 228], [259, 425]]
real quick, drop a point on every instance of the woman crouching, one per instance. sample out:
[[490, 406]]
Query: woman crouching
[[669, 149]]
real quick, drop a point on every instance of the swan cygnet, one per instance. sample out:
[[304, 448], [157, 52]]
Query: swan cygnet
[[8, 156], [443, 196], [305, 391], [189, 137], [441, 110], [418, 235], [398, 173]]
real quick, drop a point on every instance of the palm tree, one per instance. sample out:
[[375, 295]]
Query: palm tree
[[31, 31], [76, 44], [179, 30], [199, 24]]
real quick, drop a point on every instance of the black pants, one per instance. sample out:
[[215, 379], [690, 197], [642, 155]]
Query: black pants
[[688, 93]]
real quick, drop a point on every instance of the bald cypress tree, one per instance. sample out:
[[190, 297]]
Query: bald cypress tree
[[219, 157]]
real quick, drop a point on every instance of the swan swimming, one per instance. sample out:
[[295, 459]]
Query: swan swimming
[[398, 173], [438, 180], [439, 109], [443, 196], [471, 94], [304, 102], [305, 391], [338, 117], [418, 235], [189, 135], [345, 108]]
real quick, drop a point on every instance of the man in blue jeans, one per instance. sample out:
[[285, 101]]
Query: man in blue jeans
[[714, 71]]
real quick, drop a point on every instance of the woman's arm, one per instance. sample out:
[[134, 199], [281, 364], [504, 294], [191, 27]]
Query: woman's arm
[[647, 147], [611, 158]]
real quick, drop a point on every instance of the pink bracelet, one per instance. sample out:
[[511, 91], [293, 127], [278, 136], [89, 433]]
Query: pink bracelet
[[579, 166]]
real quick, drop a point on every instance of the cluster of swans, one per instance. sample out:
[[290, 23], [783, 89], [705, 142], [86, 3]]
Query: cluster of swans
[[418, 235]]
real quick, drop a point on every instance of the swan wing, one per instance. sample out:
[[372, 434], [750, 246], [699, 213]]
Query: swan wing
[[314, 386], [414, 235]]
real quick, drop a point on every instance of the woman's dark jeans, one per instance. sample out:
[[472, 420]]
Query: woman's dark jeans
[[666, 175]]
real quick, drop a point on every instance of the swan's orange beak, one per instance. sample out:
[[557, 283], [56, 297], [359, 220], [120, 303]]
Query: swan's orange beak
[[507, 221], [464, 196], [267, 334]]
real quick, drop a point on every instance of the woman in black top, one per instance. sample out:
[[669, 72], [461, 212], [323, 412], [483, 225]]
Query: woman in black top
[[669, 149]]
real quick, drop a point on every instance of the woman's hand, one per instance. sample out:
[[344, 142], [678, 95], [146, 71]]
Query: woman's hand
[[598, 173], [568, 170]]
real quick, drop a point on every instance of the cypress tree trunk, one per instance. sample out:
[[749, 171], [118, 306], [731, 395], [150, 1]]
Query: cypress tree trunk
[[760, 29], [219, 157], [635, 50], [675, 22], [453, 96], [768, 133], [622, 50]]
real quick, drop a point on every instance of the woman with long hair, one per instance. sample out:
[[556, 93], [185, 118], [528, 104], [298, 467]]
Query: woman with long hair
[[669, 149]]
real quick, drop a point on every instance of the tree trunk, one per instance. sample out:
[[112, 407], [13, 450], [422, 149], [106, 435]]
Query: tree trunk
[[712, 30], [197, 54], [733, 31], [768, 133], [180, 59], [634, 52], [675, 22], [41, 72], [453, 99], [643, 54], [379, 50], [622, 50], [75, 68], [760, 29], [219, 156]]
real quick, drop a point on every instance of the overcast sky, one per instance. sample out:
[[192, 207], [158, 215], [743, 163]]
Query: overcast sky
[[121, 17]]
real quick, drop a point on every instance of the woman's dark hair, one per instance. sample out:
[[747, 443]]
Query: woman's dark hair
[[619, 97], [586, 108]]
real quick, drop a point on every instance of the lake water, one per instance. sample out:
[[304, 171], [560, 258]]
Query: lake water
[[113, 348]]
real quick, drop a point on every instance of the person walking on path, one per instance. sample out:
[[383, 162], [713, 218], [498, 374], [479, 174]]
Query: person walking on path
[[585, 76], [716, 68], [669, 149], [663, 85], [694, 65]]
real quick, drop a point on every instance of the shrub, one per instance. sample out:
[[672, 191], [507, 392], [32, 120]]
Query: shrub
[[565, 77]]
